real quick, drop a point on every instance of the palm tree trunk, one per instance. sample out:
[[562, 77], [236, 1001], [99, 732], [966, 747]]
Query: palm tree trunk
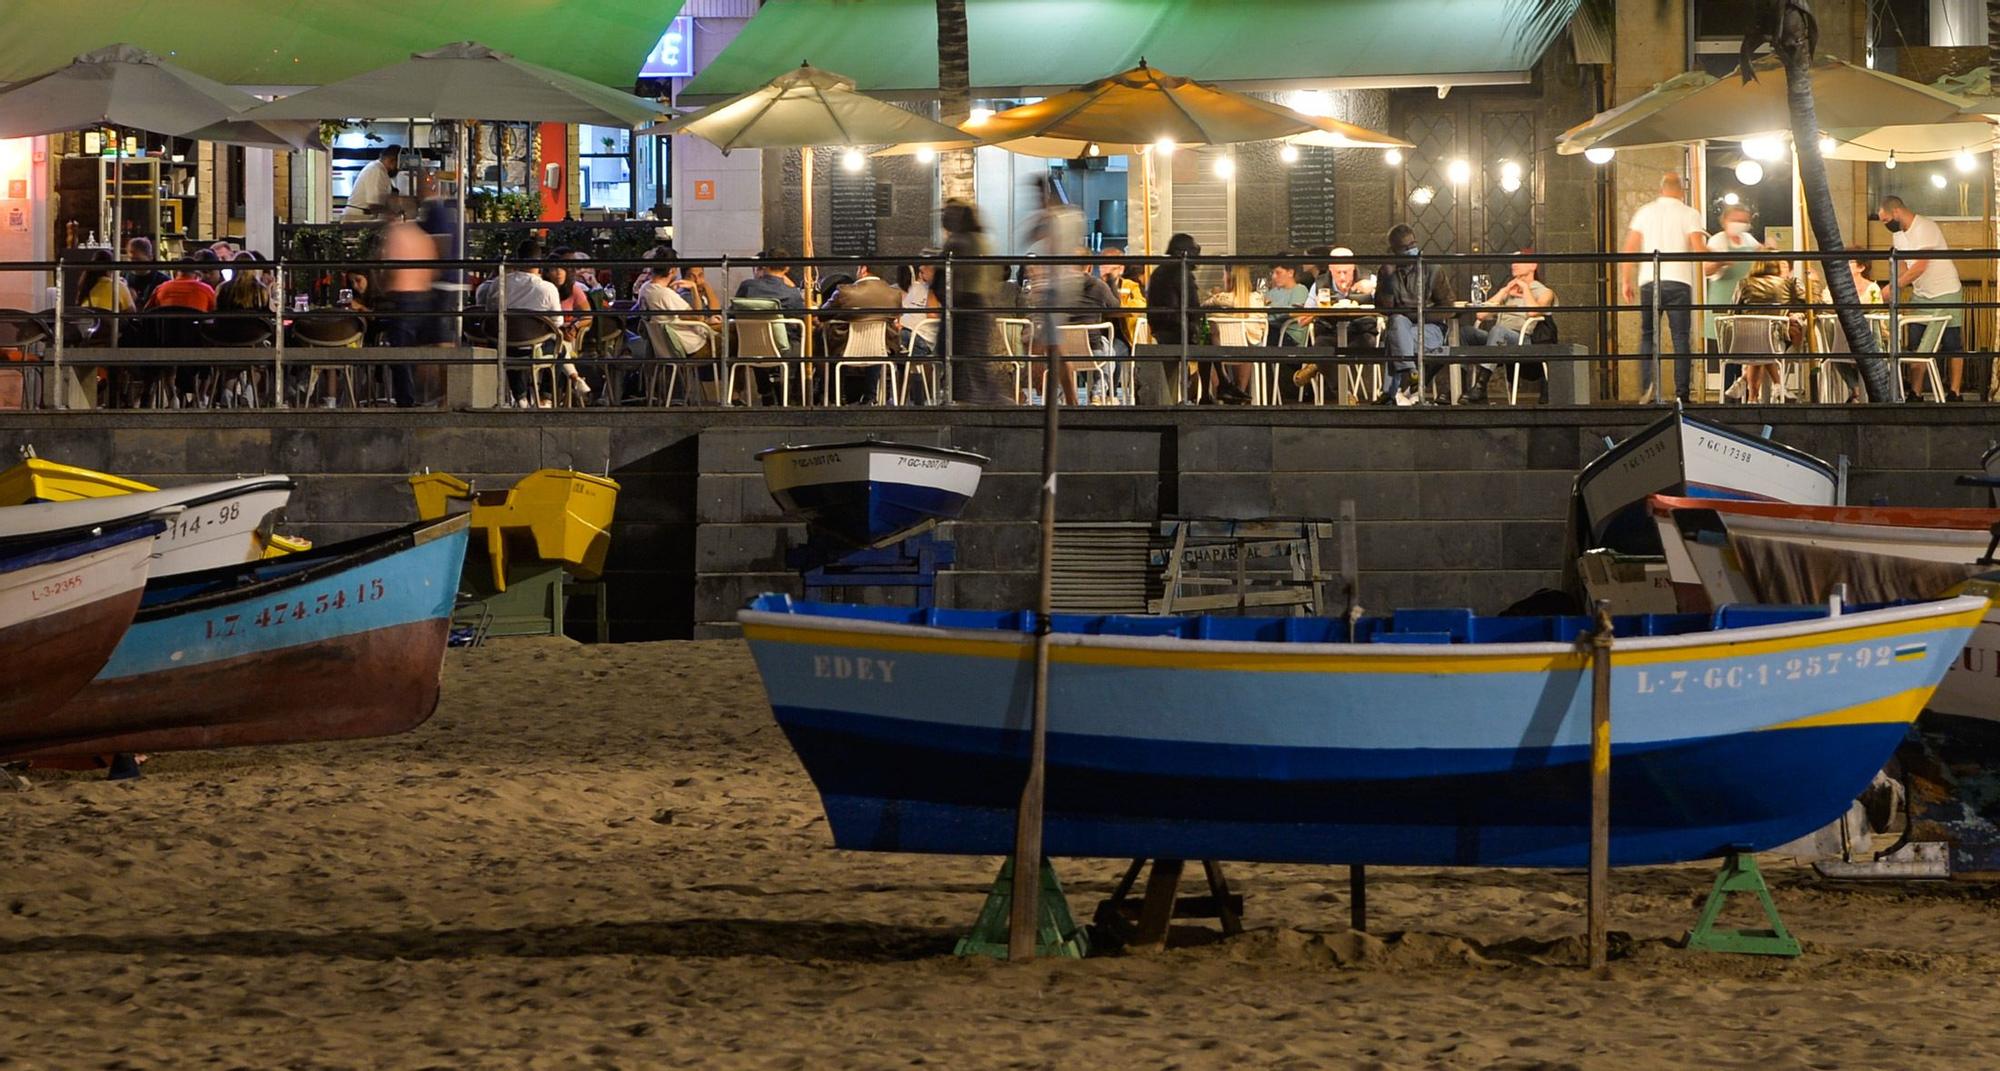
[[1795, 51], [955, 169]]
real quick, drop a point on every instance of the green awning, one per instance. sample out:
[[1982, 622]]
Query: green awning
[[889, 47], [313, 42]]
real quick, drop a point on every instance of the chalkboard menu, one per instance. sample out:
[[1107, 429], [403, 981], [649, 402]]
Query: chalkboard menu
[[1311, 180], [853, 211]]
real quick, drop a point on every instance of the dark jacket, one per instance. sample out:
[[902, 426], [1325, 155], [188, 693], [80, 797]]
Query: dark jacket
[[1163, 294], [869, 293], [1397, 285]]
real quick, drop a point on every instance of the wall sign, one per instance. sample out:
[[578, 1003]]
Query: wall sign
[[704, 189], [1310, 222], [673, 55]]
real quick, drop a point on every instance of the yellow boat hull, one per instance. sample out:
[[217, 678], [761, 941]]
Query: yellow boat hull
[[37, 479]]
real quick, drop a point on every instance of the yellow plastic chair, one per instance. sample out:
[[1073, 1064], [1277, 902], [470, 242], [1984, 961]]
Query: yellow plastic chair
[[557, 515]]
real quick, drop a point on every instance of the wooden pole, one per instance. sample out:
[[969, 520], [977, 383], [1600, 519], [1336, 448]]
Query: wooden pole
[[1600, 788], [806, 274], [1350, 578], [1146, 192], [1021, 924]]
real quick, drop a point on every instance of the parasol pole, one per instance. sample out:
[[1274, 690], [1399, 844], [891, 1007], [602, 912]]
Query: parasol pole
[[464, 177], [117, 223], [806, 274], [1024, 919], [1146, 191]]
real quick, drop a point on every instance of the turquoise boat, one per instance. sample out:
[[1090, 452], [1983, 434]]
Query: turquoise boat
[[1437, 738]]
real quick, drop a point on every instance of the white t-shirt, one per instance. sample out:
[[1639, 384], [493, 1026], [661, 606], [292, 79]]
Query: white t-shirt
[[918, 297], [1664, 226], [658, 296], [1940, 277], [372, 190]]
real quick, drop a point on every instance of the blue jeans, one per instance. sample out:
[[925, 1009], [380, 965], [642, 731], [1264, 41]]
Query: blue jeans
[[1674, 301], [1495, 335], [1401, 343]]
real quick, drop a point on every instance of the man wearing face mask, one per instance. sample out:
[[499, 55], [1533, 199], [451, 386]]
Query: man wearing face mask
[[1397, 286], [1724, 275], [1932, 282]]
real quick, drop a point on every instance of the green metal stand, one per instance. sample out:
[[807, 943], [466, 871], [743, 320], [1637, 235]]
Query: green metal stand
[[1056, 931], [1740, 874]]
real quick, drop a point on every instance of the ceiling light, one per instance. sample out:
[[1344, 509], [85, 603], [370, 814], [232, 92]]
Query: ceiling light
[[852, 160], [1938, 179], [1092, 150], [1890, 163], [1731, 199], [926, 155], [1164, 146], [1749, 172], [1967, 161], [1510, 176], [1289, 153], [1827, 145], [1599, 155], [1393, 157], [1459, 172], [1764, 150], [1225, 167], [978, 115], [1422, 196]]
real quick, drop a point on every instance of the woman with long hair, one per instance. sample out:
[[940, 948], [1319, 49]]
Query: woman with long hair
[[976, 377]]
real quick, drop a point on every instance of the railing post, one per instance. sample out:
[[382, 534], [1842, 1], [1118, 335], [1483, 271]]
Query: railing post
[[501, 390], [947, 385], [278, 335], [1895, 329], [56, 365], [1187, 280], [1659, 339], [727, 346], [1423, 297]]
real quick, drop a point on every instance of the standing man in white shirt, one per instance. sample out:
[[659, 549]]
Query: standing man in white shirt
[[1932, 281], [373, 188], [1667, 224]]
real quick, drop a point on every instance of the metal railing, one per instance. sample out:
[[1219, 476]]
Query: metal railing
[[54, 343]]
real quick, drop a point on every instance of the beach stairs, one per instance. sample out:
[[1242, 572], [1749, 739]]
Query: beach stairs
[[1739, 874], [1056, 931]]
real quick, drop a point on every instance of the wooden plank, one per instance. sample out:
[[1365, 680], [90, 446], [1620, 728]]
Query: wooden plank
[[1228, 910], [1156, 915]]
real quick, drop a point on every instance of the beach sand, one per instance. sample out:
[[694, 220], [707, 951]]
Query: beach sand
[[608, 857]]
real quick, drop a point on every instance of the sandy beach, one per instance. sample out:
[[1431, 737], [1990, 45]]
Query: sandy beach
[[608, 857]]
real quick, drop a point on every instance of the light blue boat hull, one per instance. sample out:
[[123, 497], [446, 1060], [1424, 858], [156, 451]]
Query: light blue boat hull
[[1465, 754]]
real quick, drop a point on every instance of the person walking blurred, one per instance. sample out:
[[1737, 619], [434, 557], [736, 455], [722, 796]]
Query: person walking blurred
[[407, 297], [976, 378], [1665, 225], [1055, 230]]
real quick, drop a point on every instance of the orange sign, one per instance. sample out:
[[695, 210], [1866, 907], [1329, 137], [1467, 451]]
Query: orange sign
[[704, 189]]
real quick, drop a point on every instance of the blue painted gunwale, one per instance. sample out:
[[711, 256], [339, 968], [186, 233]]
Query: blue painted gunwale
[[63, 546]]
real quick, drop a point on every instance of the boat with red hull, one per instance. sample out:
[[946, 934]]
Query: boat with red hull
[[335, 643], [66, 599]]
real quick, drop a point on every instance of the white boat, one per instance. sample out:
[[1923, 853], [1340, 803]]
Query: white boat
[[871, 493], [218, 523], [1719, 553], [1680, 455], [66, 599]]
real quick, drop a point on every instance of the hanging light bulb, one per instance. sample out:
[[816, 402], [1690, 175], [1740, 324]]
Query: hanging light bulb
[[1510, 176], [1459, 172], [1966, 161], [1749, 172], [978, 115], [1938, 179], [1827, 145], [1164, 146], [1731, 199], [1093, 150], [1599, 156], [1225, 167], [852, 160], [926, 155], [1763, 150], [1289, 153], [1422, 196], [1394, 157], [1890, 163]]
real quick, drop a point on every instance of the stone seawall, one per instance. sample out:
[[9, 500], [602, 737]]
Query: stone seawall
[[1457, 507]]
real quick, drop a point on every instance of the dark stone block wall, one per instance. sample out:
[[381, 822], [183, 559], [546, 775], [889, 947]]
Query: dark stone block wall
[[1457, 507]]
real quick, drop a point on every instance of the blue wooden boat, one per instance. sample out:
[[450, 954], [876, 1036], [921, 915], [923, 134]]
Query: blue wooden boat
[[339, 641], [1438, 739], [1682, 456], [66, 598], [871, 493]]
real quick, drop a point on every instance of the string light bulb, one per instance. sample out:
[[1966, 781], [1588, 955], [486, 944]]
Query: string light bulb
[[1459, 172], [1164, 146], [1225, 167], [852, 160], [1422, 196], [1827, 145], [926, 155], [1938, 179], [1289, 153], [1966, 161], [1749, 172], [1890, 163], [1731, 199], [1394, 157], [1599, 156], [1510, 176]]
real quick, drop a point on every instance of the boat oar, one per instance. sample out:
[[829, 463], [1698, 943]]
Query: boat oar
[[1021, 923]]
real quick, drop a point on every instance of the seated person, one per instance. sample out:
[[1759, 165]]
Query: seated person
[[185, 290], [1400, 286], [527, 291], [773, 280], [1229, 382], [1340, 285], [1524, 290], [868, 297], [1768, 288]]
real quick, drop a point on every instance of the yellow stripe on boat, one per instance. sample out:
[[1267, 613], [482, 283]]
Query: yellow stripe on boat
[[1901, 708], [1446, 658]]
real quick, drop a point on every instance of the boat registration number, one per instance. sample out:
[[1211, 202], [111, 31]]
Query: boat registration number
[[191, 523], [56, 587], [286, 611], [1732, 451], [1766, 673]]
